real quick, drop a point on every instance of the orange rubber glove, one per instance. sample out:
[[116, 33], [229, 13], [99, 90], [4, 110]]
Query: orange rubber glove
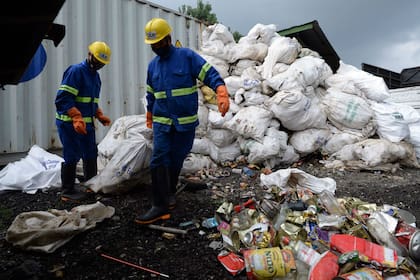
[[222, 99], [149, 119], [105, 121], [78, 122]]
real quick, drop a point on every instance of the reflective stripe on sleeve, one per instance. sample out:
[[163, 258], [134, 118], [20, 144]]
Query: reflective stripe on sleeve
[[203, 71], [66, 118], [70, 89], [184, 91], [176, 92]]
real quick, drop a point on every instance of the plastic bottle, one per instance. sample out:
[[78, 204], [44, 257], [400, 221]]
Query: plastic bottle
[[301, 251], [281, 217], [331, 204], [384, 237]]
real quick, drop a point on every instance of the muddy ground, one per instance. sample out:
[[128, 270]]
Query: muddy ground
[[185, 256]]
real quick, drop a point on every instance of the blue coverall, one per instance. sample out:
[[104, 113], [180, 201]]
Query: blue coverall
[[173, 100], [79, 88]]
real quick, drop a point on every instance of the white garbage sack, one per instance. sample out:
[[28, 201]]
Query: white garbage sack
[[250, 122], [218, 154], [243, 50], [219, 64], [349, 79], [286, 158], [221, 137], [261, 33], [195, 162], [293, 177], [415, 137], [273, 143], [346, 110], [304, 72], [339, 138], [371, 152], [216, 41], [238, 68], [38, 170], [296, 111], [125, 154], [215, 119], [46, 231], [310, 140], [203, 119], [250, 98], [393, 120], [282, 49]]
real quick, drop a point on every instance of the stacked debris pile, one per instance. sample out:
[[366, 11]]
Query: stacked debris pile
[[287, 103], [298, 229]]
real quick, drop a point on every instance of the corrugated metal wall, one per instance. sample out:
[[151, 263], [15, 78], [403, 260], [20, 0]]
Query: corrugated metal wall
[[27, 110], [408, 96]]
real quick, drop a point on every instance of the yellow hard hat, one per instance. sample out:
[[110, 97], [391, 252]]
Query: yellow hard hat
[[155, 30], [101, 51]]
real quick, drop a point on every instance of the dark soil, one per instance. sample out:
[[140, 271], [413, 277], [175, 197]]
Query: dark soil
[[185, 256]]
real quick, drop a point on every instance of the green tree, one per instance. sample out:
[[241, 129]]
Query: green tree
[[237, 36], [201, 12]]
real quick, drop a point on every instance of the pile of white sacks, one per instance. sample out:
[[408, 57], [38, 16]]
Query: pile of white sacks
[[287, 103]]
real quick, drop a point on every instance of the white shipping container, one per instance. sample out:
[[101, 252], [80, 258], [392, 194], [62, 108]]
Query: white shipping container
[[27, 110], [408, 96]]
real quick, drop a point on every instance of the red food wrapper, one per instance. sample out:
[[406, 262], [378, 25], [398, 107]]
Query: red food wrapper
[[232, 262], [345, 243], [326, 268]]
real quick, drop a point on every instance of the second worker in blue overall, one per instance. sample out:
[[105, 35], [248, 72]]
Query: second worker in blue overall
[[172, 106], [77, 106]]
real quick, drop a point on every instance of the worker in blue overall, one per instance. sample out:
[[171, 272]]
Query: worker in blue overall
[[77, 106], [172, 106]]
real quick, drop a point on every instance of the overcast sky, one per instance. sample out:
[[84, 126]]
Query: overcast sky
[[383, 33]]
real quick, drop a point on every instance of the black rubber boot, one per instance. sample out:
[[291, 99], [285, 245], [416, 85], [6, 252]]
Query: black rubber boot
[[173, 177], [160, 191], [90, 168], [69, 192]]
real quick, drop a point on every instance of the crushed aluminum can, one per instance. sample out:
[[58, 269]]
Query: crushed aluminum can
[[414, 246], [362, 273], [293, 231], [269, 208], [258, 236], [359, 230], [230, 237], [409, 236]]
